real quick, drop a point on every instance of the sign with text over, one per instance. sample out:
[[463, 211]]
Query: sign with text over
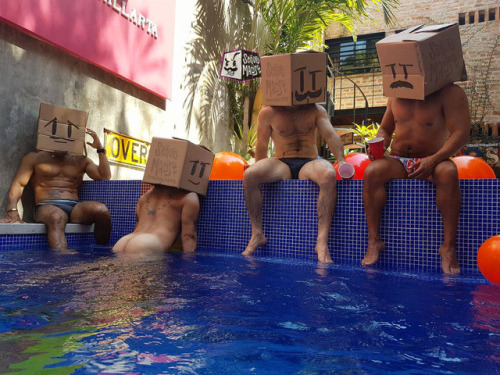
[[123, 149]]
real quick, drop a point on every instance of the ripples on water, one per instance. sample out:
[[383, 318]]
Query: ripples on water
[[92, 312]]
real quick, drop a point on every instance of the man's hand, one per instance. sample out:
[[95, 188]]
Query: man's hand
[[12, 217], [96, 143], [422, 169]]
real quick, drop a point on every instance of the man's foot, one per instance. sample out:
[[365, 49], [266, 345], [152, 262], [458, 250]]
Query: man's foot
[[256, 241], [449, 261], [373, 252], [323, 254]]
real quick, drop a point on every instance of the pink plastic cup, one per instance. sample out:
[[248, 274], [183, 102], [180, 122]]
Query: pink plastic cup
[[377, 147], [346, 171]]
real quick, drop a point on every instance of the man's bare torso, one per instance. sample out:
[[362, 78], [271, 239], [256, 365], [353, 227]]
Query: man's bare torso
[[159, 212], [57, 176], [294, 131], [420, 128]]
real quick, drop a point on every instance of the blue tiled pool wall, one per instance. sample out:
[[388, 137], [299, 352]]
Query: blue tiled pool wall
[[411, 223]]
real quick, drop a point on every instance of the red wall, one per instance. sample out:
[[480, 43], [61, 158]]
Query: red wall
[[97, 31]]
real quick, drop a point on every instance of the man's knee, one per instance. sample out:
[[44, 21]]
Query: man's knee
[[251, 177], [445, 173], [55, 218], [327, 179], [101, 211]]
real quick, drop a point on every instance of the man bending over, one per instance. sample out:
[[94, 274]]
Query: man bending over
[[162, 214]]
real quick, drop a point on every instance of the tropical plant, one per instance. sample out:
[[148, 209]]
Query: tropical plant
[[366, 132], [268, 27]]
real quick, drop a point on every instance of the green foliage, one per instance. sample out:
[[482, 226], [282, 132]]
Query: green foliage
[[366, 132], [264, 26]]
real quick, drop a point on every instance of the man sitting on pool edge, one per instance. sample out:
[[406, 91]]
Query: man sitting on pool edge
[[292, 122], [56, 176], [165, 211], [427, 126]]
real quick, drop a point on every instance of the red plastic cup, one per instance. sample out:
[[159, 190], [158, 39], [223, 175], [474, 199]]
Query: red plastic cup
[[346, 171], [377, 147]]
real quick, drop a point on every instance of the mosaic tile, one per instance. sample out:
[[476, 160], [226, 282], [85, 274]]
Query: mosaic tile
[[411, 223]]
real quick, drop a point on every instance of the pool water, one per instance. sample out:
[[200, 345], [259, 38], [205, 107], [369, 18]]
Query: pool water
[[95, 313]]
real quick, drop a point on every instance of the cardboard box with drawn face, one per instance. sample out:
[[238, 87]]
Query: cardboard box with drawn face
[[294, 79], [179, 163], [61, 129], [419, 61]]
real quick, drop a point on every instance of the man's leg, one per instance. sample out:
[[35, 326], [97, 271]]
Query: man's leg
[[262, 172], [94, 212], [55, 219], [448, 201], [323, 174], [377, 174]]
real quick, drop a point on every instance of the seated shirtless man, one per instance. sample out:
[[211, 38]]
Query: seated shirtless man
[[55, 178], [293, 131], [426, 134], [162, 213]]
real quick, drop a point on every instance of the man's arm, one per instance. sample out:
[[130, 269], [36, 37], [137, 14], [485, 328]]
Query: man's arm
[[263, 133], [20, 181], [189, 217], [329, 134], [387, 126], [457, 119], [102, 171]]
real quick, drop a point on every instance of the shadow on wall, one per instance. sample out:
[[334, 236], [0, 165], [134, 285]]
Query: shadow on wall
[[32, 72]]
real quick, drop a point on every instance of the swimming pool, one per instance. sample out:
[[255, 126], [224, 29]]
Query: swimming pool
[[91, 312]]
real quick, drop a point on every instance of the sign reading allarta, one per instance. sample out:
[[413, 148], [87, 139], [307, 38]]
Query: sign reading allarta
[[240, 65], [124, 149]]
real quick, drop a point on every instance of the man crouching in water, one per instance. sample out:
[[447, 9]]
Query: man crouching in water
[[162, 213], [55, 178]]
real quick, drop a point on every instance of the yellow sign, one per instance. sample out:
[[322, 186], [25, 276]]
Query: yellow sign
[[124, 149]]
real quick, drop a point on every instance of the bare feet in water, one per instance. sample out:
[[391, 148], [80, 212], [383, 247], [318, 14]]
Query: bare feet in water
[[323, 254], [256, 241], [373, 252], [449, 261]]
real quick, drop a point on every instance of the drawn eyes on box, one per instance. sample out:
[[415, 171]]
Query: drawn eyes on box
[[400, 83], [194, 168], [302, 94], [55, 124]]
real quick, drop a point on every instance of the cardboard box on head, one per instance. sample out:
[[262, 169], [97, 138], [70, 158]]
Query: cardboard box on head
[[179, 163], [294, 79], [61, 129], [421, 60]]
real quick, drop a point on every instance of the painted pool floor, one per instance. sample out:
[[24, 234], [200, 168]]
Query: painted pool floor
[[92, 312]]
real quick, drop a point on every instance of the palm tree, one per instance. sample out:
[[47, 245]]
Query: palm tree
[[265, 26]]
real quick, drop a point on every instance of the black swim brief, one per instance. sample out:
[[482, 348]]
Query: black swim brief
[[295, 165], [66, 205]]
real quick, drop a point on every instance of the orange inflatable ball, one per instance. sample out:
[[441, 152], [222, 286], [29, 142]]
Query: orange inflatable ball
[[228, 166], [359, 161], [488, 259], [473, 167]]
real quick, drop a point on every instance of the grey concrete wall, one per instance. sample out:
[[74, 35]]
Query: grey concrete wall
[[34, 72]]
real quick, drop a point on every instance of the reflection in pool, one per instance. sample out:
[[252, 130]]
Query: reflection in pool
[[92, 312]]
